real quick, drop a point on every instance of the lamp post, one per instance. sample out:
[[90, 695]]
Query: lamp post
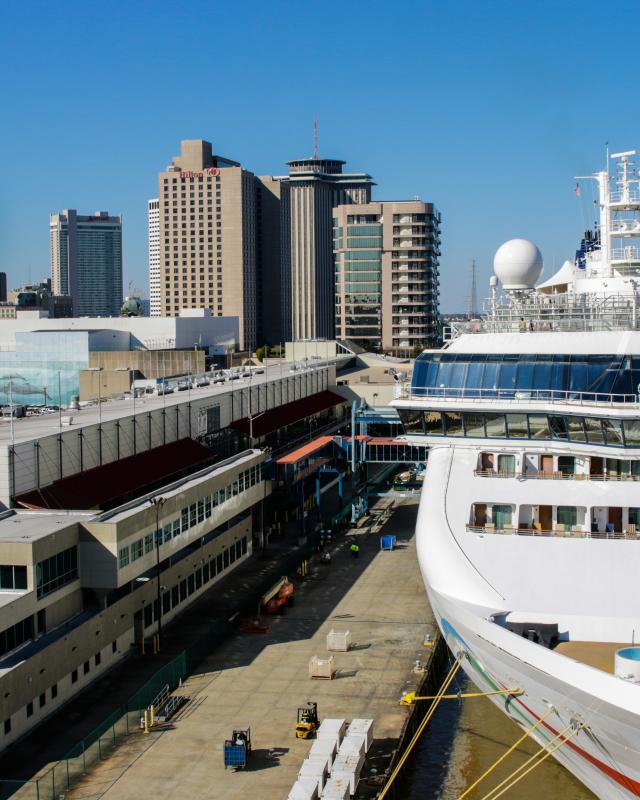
[[158, 502]]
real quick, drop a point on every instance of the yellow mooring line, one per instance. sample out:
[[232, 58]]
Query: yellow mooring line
[[504, 755], [511, 783], [410, 697], [416, 736]]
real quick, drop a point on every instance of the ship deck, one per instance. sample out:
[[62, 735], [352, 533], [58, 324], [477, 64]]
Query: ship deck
[[594, 654]]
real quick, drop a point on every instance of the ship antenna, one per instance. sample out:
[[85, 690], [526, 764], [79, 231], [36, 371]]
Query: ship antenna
[[315, 138], [473, 296]]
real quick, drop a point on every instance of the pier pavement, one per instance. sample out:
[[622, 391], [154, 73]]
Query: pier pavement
[[259, 681]]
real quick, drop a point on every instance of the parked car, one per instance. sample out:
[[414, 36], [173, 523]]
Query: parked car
[[183, 384]]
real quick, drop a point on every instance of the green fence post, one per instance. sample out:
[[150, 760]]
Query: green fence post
[[37, 790], [99, 749], [84, 757], [68, 784]]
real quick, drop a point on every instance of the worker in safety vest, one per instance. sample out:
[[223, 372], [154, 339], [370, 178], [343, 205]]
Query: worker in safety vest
[[355, 550]]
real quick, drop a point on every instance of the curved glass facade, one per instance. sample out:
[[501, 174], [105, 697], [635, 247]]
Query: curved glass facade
[[506, 374], [556, 427]]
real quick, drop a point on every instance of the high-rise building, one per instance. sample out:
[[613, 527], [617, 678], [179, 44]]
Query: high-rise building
[[272, 257], [387, 281], [207, 218], [3, 287], [153, 216], [86, 261], [308, 282]]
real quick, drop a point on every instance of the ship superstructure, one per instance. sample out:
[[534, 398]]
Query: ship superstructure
[[529, 523]]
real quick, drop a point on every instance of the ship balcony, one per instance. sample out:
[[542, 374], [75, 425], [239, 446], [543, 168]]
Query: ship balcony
[[625, 227], [597, 522], [475, 395], [625, 255], [625, 200], [555, 466]]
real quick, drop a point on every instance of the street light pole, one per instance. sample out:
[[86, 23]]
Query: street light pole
[[158, 502]]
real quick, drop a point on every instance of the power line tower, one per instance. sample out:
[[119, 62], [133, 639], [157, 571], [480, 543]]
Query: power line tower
[[473, 296]]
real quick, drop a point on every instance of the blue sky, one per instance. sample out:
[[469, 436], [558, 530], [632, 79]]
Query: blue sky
[[486, 109]]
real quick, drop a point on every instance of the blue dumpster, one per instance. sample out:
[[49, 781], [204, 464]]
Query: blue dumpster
[[387, 542]]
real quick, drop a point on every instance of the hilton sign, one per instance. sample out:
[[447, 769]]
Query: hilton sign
[[207, 171]]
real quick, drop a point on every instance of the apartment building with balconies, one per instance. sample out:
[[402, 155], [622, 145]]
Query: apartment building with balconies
[[386, 258]]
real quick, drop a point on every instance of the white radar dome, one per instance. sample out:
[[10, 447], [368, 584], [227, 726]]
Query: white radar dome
[[518, 264]]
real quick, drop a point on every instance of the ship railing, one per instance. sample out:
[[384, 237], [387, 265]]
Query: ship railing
[[519, 395], [565, 532], [553, 476]]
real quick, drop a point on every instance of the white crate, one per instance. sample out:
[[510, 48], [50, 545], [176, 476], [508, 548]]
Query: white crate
[[321, 667], [349, 760], [332, 728], [362, 727], [350, 776], [314, 769], [305, 789], [338, 788], [323, 748], [352, 744], [338, 641]]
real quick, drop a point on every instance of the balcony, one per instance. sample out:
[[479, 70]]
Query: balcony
[[563, 531]]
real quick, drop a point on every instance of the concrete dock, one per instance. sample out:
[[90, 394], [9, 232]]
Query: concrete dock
[[260, 680]]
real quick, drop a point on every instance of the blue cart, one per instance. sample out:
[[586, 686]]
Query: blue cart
[[237, 749]]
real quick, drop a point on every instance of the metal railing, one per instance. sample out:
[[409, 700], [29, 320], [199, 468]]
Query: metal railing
[[558, 475], [519, 395], [537, 312], [574, 532]]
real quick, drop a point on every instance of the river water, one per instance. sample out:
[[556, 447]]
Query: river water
[[463, 739]]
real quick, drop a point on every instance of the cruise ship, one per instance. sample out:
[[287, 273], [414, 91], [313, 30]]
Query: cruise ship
[[529, 524]]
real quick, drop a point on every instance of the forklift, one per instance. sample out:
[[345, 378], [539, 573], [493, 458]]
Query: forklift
[[237, 749], [307, 724]]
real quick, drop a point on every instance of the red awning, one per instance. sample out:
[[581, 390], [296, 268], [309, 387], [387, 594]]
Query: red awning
[[115, 483], [306, 450], [280, 417]]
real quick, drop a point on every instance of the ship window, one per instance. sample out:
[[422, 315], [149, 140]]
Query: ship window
[[539, 426], [507, 381], [507, 465], [517, 426], [453, 423], [525, 376], [558, 427], [612, 431], [576, 430], [501, 516], [567, 515], [433, 423], [634, 517], [632, 432], [594, 430], [490, 378], [496, 427], [411, 420], [567, 465], [474, 425]]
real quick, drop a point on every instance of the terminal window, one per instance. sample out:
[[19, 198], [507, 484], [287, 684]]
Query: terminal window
[[56, 571], [13, 577]]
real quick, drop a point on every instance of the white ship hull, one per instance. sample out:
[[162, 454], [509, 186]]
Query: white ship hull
[[605, 753]]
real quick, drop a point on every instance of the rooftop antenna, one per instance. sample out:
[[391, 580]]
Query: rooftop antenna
[[473, 297], [315, 138]]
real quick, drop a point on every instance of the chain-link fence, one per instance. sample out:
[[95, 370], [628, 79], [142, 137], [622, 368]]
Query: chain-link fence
[[97, 745]]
